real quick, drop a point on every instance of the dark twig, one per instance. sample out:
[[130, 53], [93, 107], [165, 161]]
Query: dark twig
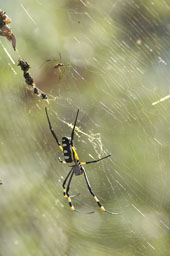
[[29, 80]]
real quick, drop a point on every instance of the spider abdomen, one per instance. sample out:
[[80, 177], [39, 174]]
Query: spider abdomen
[[68, 155]]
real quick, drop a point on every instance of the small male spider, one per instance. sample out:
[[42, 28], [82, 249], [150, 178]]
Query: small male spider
[[72, 160], [57, 65]]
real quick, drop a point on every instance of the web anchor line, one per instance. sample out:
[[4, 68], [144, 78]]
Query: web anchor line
[[161, 100]]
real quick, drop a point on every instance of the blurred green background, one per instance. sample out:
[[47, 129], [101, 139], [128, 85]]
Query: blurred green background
[[116, 56]]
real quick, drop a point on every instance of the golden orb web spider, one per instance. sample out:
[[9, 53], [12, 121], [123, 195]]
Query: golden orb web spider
[[72, 160]]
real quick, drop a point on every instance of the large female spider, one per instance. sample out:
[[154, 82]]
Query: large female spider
[[72, 160]]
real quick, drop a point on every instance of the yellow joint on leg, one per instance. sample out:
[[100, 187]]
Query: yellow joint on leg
[[61, 148], [65, 196], [102, 208], [96, 199], [69, 199], [64, 191], [72, 208], [83, 162]]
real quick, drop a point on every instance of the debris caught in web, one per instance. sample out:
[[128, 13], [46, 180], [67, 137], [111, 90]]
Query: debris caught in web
[[29, 80], [5, 30]]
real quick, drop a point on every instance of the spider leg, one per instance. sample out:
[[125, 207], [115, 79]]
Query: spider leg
[[64, 189], [72, 133], [95, 197], [95, 161], [75, 154], [64, 182], [52, 131], [61, 161], [69, 197]]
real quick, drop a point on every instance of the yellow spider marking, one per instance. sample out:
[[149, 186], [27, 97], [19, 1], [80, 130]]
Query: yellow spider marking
[[64, 191], [96, 199], [72, 208], [102, 208], [69, 199], [83, 163], [75, 154], [61, 148]]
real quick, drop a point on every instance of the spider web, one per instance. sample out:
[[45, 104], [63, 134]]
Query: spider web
[[116, 71]]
